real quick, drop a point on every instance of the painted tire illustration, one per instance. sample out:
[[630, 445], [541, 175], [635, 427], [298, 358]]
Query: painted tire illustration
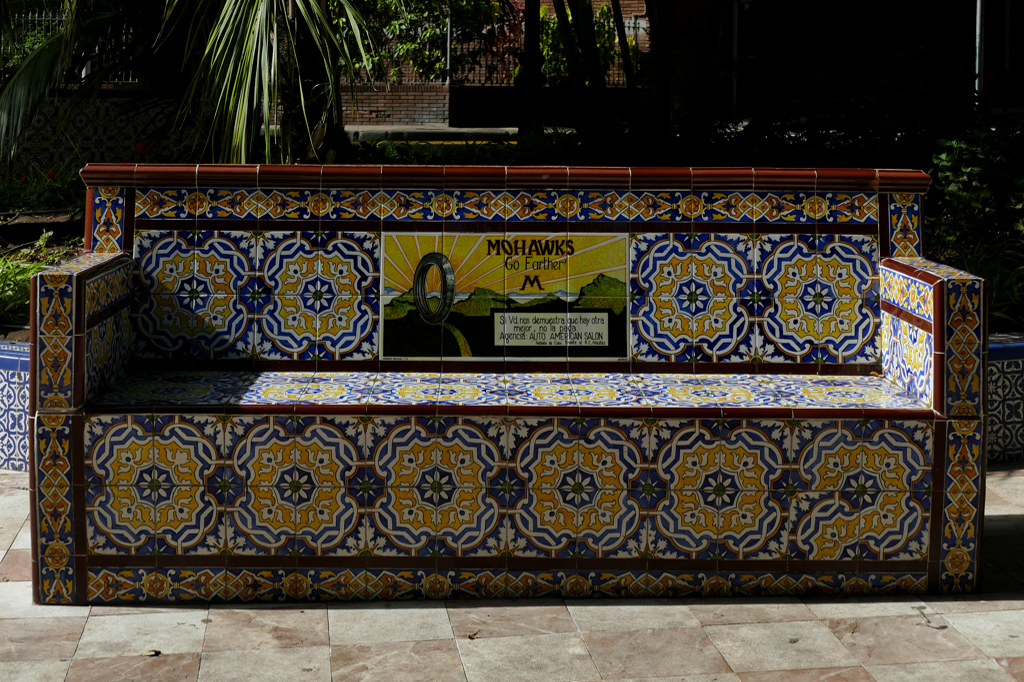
[[419, 288]]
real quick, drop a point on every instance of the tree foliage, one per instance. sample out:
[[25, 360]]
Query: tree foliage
[[255, 79]]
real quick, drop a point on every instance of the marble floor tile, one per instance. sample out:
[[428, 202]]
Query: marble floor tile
[[16, 565], [858, 674], [500, 618], [303, 664], [176, 667], [728, 612], [711, 677], [779, 646], [1014, 666], [632, 614], [102, 610], [867, 607], [997, 634], [946, 671], [971, 603], [433, 660], [16, 598], [230, 629], [372, 623], [14, 506], [33, 639], [23, 540], [525, 659], [34, 671], [902, 639], [180, 632], [654, 653]]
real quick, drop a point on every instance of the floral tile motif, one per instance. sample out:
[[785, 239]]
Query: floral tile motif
[[114, 586], [1005, 423], [14, 407], [108, 217], [106, 352], [54, 521], [964, 374], [472, 389], [958, 554], [572, 488], [895, 526], [905, 237], [607, 390], [108, 288], [183, 387], [824, 526], [405, 388], [907, 357], [540, 390], [907, 293]]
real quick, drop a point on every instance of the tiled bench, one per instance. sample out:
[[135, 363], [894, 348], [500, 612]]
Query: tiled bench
[[314, 383]]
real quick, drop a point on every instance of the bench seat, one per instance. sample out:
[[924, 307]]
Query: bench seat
[[562, 394]]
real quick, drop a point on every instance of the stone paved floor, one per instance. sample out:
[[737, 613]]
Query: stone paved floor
[[979, 638]]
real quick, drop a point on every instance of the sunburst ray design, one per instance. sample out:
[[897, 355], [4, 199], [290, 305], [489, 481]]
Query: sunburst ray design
[[502, 263]]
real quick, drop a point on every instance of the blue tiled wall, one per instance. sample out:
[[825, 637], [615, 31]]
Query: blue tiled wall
[[14, 362], [1006, 397]]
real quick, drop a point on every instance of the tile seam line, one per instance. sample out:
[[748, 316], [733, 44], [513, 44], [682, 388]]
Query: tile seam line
[[462, 661]]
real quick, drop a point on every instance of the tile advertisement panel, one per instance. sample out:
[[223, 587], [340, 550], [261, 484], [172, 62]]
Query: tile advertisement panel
[[492, 296]]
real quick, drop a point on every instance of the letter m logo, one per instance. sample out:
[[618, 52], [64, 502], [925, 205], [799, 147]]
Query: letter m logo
[[531, 281]]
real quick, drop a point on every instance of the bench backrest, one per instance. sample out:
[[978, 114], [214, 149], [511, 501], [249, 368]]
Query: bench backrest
[[625, 267]]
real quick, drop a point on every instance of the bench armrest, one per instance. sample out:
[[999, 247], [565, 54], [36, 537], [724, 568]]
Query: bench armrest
[[933, 328], [80, 330]]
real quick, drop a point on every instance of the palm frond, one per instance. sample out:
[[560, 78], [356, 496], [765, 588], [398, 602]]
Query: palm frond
[[39, 71], [249, 54]]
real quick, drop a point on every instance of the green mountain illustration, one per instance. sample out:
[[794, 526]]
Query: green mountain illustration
[[603, 292]]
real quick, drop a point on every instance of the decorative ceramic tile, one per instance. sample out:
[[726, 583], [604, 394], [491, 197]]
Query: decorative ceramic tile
[[166, 263], [108, 289], [55, 372], [108, 217], [155, 585], [14, 406], [824, 526], [1005, 407], [895, 526], [964, 371], [905, 236], [540, 390], [907, 293], [54, 523], [106, 352], [55, 300], [170, 203], [183, 387], [965, 452], [907, 357]]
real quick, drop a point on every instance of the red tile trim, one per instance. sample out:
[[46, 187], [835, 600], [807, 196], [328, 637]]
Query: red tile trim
[[907, 269], [911, 181], [587, 177], [90, 217], [284, 176], [519, 177], [227, 175], [908, 317], [784, 178]]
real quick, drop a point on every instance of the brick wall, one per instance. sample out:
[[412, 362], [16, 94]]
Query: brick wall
[[398, 105], [629, 7]]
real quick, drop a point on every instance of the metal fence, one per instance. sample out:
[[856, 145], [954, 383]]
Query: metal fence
[[482, 62], [31, 29]]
